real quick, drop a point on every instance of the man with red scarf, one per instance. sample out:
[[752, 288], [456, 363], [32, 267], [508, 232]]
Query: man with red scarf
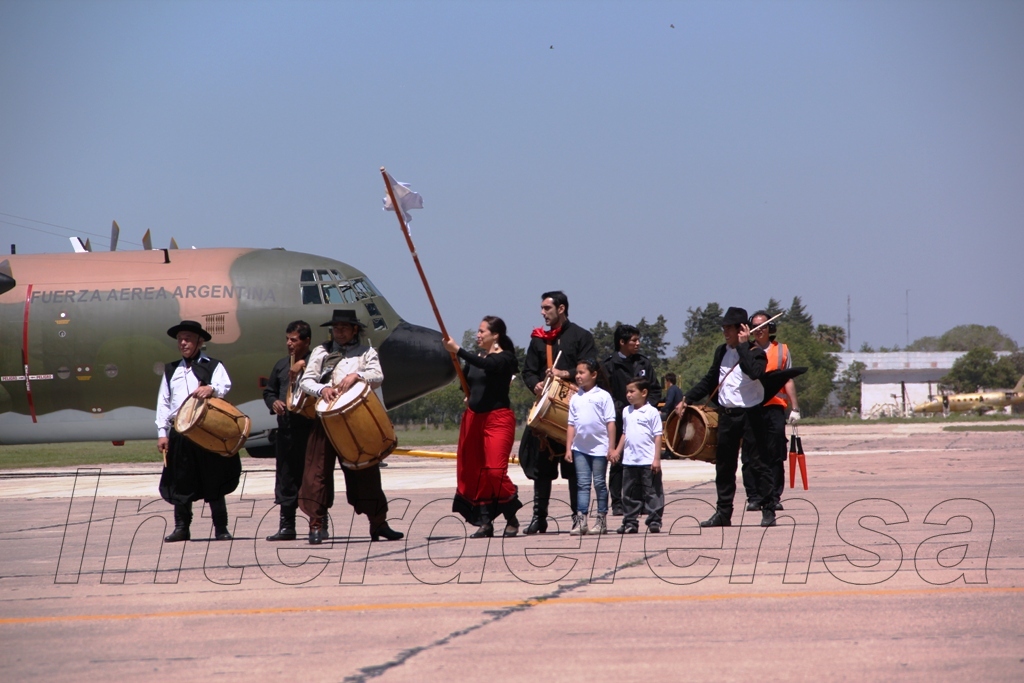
[[541, 458]]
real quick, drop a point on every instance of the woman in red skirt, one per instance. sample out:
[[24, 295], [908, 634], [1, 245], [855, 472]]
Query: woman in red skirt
[[487, 432]]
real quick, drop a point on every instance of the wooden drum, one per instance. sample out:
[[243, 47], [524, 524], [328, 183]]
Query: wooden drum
[[358, 427], [550, 413], [213, 424], [299, 402], [694, 435]]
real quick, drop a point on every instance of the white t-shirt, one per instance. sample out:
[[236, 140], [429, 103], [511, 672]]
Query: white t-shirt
[[589, 413], [639, 427], [738, 390]]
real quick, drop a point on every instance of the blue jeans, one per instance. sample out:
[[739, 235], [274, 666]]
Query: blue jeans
[[590, 468]]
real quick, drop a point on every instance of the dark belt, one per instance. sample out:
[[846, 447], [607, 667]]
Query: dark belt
[[733, 412]]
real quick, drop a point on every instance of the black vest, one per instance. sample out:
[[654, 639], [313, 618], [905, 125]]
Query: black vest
[[202, 369]]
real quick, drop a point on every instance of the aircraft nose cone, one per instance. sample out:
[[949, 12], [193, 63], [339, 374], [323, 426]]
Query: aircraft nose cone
[[414, 363]]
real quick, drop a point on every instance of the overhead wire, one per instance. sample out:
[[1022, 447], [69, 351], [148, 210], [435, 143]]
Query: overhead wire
[[75, 233]]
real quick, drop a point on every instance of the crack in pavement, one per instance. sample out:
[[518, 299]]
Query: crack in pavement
[[368, 672]]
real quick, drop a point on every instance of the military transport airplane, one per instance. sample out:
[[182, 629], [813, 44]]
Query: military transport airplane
[[83, 335], [978, 401]]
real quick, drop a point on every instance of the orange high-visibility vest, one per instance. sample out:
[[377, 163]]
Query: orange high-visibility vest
[[777, 359]]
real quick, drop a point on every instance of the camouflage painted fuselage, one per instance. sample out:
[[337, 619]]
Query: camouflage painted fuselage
[[83, 337]]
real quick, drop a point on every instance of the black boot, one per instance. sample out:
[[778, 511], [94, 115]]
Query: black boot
[[379, 529], [182, 521], [316, 530], [219, 512], [286, 532], [541, 496]]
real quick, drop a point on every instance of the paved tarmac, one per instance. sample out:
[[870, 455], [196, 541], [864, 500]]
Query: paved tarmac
[[904, 559]]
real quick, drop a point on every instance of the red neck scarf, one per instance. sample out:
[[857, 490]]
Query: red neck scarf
[[549, 335]]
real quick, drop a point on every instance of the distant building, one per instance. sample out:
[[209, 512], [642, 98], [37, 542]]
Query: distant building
[[892, 383]]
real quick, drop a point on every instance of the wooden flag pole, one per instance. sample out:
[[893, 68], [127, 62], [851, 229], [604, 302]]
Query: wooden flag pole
[[423, 276]]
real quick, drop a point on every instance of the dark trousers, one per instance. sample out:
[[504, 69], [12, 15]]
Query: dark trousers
[[732, 425], [615, 485], [774, 454], [641, 490], [363, 488], [290, 450]]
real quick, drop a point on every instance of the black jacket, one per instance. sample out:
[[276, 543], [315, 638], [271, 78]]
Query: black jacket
[[277, 390], [574, 342], [619, 371], [752, 363]]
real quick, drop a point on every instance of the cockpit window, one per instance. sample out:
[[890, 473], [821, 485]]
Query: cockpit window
[[327, 286], [311, 295]]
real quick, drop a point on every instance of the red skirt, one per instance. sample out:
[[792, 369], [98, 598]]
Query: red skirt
[[485, 442]]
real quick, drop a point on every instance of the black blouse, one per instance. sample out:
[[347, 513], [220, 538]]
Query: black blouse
[[489, 378]]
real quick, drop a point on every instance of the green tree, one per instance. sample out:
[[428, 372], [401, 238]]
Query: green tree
[[924, 344], [652, 342], [968, 337], [814, 386], [701, 322], [982, 368], [832, 336], [798, 316], [604, 338], [849, 386], [773, 308], [866, 348]]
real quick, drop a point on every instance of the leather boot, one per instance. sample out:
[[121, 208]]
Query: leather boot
[[286, 532], [316, 530], [182, 521], [379, 529], [541, 496], [219, 512]]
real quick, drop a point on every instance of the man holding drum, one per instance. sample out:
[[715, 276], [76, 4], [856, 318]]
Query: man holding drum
[[190, 471], [293, 428], [541, 457], [333, 368], [737, 366]]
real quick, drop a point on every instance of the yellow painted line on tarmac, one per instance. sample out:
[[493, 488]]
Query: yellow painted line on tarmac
[[491, 604]]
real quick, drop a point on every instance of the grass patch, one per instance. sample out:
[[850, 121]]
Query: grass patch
[[104, 453], [71, 454], [984, 428]]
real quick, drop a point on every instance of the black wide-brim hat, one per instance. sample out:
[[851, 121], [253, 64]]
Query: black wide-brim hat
[[188, 326], [343, 316], [735, 316]]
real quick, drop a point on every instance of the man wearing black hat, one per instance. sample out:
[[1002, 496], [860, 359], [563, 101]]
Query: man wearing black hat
[[333, 368], [292, 428], [737, 366], [190, 471]]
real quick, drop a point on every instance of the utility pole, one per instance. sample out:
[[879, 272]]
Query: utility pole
[[908, 319], [849, 337]]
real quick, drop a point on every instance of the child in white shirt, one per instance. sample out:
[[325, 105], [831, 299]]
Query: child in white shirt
[[639, 448], [590, 433]]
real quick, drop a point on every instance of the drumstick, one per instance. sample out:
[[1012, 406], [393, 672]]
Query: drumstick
[[547, 382], [755, 329]]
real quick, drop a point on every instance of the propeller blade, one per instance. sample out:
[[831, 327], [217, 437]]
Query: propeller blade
[[174, 245], [115, 232], [147, 241], [88, 244]]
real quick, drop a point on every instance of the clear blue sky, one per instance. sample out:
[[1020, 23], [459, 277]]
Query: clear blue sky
[[756, 149]]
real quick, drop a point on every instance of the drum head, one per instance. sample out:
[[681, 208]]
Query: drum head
[[539, 409], [351, 397], [693, 431], [189, 414]]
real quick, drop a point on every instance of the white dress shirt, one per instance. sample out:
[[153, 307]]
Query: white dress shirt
[[738, 390], [183, 383]]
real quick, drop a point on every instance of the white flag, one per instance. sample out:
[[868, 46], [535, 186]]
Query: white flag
[[407, 199]]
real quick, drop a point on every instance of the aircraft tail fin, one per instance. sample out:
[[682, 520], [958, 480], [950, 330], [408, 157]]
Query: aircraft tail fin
[[1020, 385], [147, 241], [115, 232], [174, 244], [78, 245], [88, 244]]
